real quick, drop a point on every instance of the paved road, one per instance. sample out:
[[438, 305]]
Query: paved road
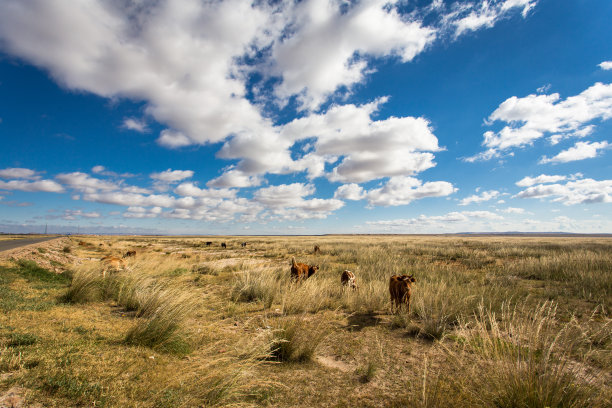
[[16, 243]]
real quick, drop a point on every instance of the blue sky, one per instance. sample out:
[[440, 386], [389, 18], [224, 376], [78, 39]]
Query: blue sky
[[319, 116]]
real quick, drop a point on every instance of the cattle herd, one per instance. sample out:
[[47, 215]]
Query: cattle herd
[[400, 286]]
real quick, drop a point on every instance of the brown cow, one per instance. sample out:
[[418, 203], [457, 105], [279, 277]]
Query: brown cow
[[317, 250], [301, 271], [400, 289], [129, 253], [112, 264], [348, 279]]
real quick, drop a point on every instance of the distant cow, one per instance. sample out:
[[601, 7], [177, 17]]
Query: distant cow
[[223, 245], [301, 271], [129, 253], [348, 279], [400, 289], [243, 244], [208, 243], [317, 249]]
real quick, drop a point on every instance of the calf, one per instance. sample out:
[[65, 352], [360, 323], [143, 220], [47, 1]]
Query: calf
[[348, 279], [243, 245], [223, 245], [400, 289], [129, 253], [301, 271], [317, 249]]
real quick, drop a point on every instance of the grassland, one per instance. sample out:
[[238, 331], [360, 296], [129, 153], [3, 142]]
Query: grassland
[[495, 321]]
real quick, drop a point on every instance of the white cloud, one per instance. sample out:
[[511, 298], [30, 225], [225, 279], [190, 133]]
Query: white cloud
[[484, 196], [404, 190], [513, 210], [179, 56], [75, 214], [531, 117], [234, 179], [48, 186], [350, 192], [287, 202], [141, 212], [172, 176], [18, 173], [440, 220], [580, 151], [329, 40], [85, 183], [541, 179], [474, 16], [606, 65], [190, 189], [583, 191], [137, 125]]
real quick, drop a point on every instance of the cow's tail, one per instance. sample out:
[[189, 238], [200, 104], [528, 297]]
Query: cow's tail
[[293, 261]]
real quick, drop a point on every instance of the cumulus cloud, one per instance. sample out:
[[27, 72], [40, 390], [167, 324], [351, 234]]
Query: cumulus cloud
[[484, 196], [287, 202], [582, 191], [404, 190], [85, 183], [18, 173], [235, 179], [350, 192], [76, 214], [330, 41], [48, 186], [513, 210], [531, 117], [606, 65], [541, 179], [580, 151], [193, 69], [172, 176]]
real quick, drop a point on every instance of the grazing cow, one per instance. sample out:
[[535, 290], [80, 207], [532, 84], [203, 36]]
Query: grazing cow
[[129, 253], [317, 250], [301, 271], [223, 245], [243, 245], [111, 264], [208, 243], [400, 289], [348, 279]]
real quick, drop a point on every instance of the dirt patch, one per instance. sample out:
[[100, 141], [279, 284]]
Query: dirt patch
[[335, 364], [49, 254]]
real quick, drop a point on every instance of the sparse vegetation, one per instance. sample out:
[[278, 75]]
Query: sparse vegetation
[[494, 321]]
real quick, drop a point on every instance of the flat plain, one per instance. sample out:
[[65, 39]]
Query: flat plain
[[506, 321]]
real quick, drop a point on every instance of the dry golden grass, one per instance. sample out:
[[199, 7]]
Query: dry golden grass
[[495, 321]]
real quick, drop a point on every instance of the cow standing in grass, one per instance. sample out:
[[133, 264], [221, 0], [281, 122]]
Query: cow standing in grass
[[223, 245], [317, 250], [348, 280], [301, 271], [400, 289]]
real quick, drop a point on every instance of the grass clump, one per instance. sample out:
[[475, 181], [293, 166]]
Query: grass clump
[[294, 341], [526, 361], [163, 311]]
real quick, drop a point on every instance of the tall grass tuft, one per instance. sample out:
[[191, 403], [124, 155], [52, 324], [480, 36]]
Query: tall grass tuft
[[164, 312], [293, 341], [525, 361]]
